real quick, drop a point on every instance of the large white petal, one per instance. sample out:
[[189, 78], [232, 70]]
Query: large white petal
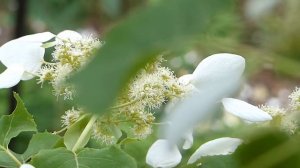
[[188, 140], [220, 146], [218, 68], [73, 36], [245, 110], [38, 37], [11, 76], [163, 155], [28, 54]]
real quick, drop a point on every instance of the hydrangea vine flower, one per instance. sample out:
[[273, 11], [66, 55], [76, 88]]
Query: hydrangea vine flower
[[214, 79], [22, 57]]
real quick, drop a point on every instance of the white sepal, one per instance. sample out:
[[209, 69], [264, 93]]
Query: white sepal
[[26, 166], [218, 68], [28, 54], [185, 79], [68, 35], [188, 140], [245, 110], [220, 146], [38, 37], [163, 155], [11, 76]]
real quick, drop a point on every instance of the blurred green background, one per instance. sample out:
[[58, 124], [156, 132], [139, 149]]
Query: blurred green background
[[265, 32]]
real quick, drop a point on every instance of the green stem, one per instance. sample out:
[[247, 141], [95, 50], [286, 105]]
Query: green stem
[[60, 131], [162, 123], [49, 63], [125, 104], [85, 133], [11, 155]]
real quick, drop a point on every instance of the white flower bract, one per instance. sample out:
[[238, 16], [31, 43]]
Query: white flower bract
[[163, 155], [68, 35], [220, 146], [245, 110], [11, 76], [188, 140], [26, 166], [26, 53]]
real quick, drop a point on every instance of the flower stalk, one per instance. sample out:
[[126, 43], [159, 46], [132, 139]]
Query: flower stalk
[[85, 133]]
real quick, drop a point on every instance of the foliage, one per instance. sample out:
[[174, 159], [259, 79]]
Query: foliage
[[45, 150], [162, 27]]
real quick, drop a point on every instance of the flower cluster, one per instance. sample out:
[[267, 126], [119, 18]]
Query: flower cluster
[[284, 118], [71, 116], [72, 51], [149, 89], [154, 85], [295, 99]]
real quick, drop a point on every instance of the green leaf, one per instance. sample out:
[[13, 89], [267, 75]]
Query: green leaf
[[40, 141], [219, 162], [11, 126], [74, 131], [269, 148], [87, 158], [164, 26], [6, 161], [19, 121]]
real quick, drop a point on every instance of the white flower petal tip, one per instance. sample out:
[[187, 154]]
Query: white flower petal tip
[[163, 155], [26, 166], [245, 110], [11, 76], [38, 37], [188, 140], [185, 79], [218, 68], [220, 146], [70, 35]]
